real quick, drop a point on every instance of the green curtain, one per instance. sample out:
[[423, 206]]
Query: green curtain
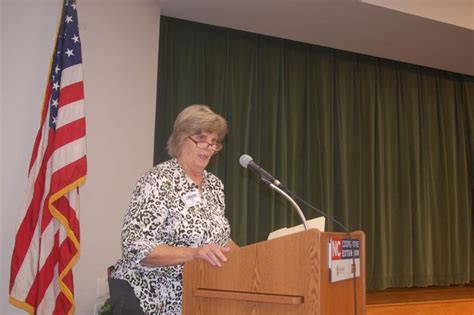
[[381, 146]]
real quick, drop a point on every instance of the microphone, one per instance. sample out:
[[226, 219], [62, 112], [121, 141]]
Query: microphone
[[247, 162]]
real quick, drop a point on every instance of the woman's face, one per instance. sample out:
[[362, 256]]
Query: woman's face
[[195, 157]]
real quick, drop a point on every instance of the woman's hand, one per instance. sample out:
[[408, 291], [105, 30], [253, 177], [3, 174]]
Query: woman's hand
[[164, 255], [212, 253]]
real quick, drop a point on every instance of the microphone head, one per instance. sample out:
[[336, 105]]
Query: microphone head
[[245, 159]]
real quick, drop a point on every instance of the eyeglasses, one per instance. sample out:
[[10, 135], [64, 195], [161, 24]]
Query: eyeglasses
[[204, 145]]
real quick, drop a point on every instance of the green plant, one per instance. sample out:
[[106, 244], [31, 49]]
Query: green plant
[[106, 309]]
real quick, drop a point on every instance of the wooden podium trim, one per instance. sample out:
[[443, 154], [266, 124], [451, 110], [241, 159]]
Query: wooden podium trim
[[249, 297]]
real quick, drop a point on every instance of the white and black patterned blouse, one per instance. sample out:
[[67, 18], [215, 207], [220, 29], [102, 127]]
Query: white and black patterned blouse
[[165, 210]]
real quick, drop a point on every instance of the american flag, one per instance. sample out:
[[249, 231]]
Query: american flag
[[47, 239]]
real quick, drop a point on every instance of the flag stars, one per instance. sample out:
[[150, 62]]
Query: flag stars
[[69, 52], [73, 6], [55, 85], [69, 19], [75, 38], [54, 102]]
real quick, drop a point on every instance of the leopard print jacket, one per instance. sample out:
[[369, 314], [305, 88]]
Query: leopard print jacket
[[167, 208]]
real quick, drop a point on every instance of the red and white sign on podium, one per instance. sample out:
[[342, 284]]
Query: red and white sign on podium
[[344, 258]]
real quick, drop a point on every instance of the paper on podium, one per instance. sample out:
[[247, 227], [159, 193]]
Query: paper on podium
[[316, 223]]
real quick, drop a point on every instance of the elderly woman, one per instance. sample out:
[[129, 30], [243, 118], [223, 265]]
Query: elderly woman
[[176, 215]]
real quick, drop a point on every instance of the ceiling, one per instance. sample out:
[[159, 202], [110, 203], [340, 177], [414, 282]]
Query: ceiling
[[455, 12], [433, 33]]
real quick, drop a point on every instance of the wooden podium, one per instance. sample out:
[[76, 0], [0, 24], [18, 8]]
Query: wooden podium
[[286, 275]]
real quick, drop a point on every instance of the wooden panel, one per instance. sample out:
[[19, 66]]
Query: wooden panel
[[457, 300], [229, 307], [454, 307], [273, 267], [260, 278], [406, 295], [249, 297]]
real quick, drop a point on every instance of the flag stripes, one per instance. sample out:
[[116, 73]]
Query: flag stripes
[[47, 243]]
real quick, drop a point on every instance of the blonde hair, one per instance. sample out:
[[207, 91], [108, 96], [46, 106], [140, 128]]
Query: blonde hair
[[194, 120]]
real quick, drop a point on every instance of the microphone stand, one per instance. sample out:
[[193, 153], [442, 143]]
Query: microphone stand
[[293, 203]]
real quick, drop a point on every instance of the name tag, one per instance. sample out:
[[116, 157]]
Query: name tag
[[192, 199]]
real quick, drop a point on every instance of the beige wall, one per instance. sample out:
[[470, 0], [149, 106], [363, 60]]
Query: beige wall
[[120, 49], [455, 12]]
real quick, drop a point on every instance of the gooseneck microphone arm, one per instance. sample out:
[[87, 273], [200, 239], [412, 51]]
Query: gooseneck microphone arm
[[294, 204], [247, 162]]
